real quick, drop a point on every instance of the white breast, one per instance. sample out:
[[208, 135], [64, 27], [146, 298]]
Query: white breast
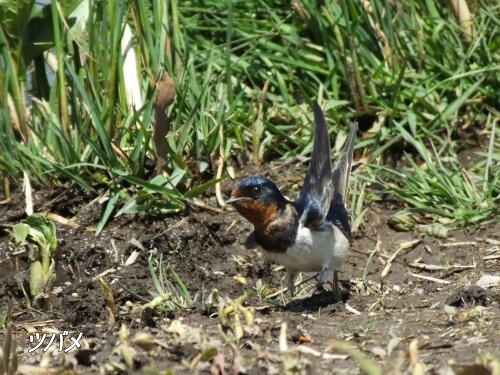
[[314, 249]]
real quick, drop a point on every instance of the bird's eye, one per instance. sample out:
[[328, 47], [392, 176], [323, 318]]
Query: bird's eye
[[256, 188]]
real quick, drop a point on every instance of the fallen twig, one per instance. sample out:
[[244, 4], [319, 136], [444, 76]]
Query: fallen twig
[[283, 346], [159, 234], [403, 246], [107, 272], [491, 257], [435, 267], [492, 241], [352, 309], [367, 253], [231, 226], [308, 350], [375, 250], [429, 278], [458, 244], [198, 203]]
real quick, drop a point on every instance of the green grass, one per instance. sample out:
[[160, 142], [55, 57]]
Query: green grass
[[167, 295], [441, 187], [245, 73]]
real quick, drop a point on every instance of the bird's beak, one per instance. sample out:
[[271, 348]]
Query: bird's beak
[[236, 196], [234, 200]]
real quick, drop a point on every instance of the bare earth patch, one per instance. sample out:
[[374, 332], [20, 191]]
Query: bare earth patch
[[427, 314]]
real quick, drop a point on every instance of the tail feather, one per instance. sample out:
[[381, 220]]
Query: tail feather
[[342, 169], [337, 214], [317, 191]]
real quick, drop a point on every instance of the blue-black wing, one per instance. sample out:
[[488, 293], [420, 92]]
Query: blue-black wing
[[337, 213], [316, 193]]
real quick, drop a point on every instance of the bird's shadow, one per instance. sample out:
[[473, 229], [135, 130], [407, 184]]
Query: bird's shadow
[[319, 299]]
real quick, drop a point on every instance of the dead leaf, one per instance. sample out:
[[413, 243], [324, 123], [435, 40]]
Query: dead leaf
[[145, 341]]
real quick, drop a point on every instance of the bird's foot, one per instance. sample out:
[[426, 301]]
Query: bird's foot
[[327, 285], [322, 288]]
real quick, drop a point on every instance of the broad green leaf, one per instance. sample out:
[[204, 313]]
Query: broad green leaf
[[14, 15], [197, 190], [77, 14], [69, 7], [209, 353], [43, 231], [20, 232], [110, 207], [460, 101], [130, 207]]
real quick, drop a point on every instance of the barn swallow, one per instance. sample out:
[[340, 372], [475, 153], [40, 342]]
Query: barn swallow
[[313, 233]]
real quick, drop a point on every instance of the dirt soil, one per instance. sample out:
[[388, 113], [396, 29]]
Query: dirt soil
[[427, 314]]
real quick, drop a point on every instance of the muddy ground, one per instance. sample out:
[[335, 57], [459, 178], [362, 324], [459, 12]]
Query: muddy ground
[[426, 316]]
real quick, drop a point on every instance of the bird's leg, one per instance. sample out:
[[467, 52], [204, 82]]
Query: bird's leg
[[290, 281], [336, 287], [325, 276]]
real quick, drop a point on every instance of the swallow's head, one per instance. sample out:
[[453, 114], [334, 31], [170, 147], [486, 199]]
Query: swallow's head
[[258, 200]]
